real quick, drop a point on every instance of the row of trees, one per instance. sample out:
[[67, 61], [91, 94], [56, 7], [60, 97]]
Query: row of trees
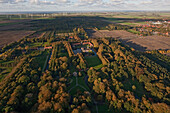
[[69, 49]]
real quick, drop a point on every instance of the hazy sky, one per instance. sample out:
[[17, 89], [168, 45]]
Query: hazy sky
[[82, 5]]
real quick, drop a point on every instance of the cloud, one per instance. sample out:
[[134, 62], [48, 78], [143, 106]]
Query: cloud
[[85, 4], [12, 1], [48, 2], [34, 1]]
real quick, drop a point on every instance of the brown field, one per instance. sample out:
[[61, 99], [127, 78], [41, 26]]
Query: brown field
[[37, 34], [14, 21], [7, 37], [138, 43], [14, 27], [9, 25]]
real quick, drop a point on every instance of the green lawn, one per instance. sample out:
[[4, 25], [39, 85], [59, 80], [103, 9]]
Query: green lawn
[[104, 108], [46, 43], [82, 82], [98, 66], [62, 51], [93, 61], [133, 31], [73, 83], [72, 69], [37, 44], [74, 90], [42, 58], [10, 23], [140, 91]]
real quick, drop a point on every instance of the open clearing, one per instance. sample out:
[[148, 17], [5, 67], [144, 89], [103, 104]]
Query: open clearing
[[7, 37], [133, 40]]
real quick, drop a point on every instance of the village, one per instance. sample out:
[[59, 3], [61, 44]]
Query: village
[[154, 28]]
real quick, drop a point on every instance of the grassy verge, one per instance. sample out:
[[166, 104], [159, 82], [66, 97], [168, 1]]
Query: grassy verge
[[133, 31]]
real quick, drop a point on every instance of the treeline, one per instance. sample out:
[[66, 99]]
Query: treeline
[[69, 48], [62, 24], [80, 32], [118, 27]]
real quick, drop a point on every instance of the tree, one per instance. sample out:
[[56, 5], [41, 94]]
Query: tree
[[75, 110], [24, 79], [45, 107], [134, 87]]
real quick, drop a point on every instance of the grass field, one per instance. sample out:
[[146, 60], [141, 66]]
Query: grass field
[[93, 61], [37, 44], [104, 108], [139, 92], [133, 31], [42, 58], [5, 24], [98, 66], [74, 90], [73, 83], [82, 82]]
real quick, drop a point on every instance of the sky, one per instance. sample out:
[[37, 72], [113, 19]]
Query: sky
[[83, 5]]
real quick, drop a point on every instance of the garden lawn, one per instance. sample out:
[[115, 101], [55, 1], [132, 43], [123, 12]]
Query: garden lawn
[[42, 58], [37, 44], [81, 81], [93, 61], [133, 31], [73, 83], [74, 90]]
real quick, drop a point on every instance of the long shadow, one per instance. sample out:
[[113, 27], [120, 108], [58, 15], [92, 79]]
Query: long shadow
[[133, 45]]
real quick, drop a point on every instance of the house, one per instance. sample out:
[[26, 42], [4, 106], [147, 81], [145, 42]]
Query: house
[[158, 22], [75, 74], [167, 34], [76, 44], [71, 37], [50, 47], [91, 45], [85, 50]]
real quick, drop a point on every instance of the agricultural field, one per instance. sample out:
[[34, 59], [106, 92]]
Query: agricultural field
[[7, 37], [149, 43], [133, 40]]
